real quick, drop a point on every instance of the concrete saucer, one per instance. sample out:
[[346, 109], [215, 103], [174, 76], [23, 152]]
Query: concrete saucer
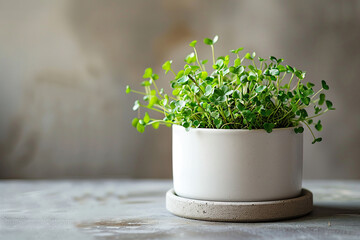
[[240, 211]]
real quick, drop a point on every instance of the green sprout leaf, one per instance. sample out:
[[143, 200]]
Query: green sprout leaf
[[324, 85], [299, 130], [248, 56], [179, 74], [193, 43], [128, 89], [186, 124], [148, 73], [306, 100], [310, 85], [135, 122], [281, 68], [196, 123], [236, 51], [167, 66], [290, 69], [269, 127], [318, 126], [191, 58], [155, 125], [176, 91], [208, 41], [272, 58], [154, 77], [317, 140], [187, 71], [140, 126], [299, 74], [317, 109], [216, 38], [260, 89], [146, 118], [329, 104], [152, 101], [240, 106], [274, 72], [145, 83], [237, 62], [183, 80], [204, 75], [136, 105], [208, 90], [218, 122], [220, 64], [236, 94]]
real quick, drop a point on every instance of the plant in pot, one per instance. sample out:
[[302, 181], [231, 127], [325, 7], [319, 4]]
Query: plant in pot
[[237, 128]]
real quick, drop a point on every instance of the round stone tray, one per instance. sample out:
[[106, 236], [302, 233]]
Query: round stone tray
[[240, 211]]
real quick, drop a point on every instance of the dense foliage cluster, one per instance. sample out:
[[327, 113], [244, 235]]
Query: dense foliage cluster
[[247, 93]]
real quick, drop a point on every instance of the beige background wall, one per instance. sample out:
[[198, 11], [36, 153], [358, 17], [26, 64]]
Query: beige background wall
[[64, 66]]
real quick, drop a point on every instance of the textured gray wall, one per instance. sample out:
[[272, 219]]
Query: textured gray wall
[[64, 66]]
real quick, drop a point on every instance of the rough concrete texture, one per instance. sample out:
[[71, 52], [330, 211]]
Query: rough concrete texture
[[113, 209], [240, 211]]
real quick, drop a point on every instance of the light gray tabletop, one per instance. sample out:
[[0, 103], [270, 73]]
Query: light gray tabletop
[[127, 209]]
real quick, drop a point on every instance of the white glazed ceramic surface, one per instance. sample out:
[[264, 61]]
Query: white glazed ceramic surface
[[237, 165]]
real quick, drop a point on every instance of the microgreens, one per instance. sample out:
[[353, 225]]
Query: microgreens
[[248, 94]]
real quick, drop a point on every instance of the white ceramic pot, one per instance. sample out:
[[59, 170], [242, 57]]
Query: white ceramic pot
[[237, 164]]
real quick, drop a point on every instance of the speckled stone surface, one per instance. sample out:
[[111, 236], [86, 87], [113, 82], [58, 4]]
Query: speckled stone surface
[[240, 211], [118, 209]]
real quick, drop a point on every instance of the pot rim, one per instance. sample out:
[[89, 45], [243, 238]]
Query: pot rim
[[237, 130]]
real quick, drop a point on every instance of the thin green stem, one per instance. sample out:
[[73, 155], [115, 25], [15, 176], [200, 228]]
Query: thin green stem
[[161, 107], [192, 79], [194, 114], [285, 115], [159, 121], [157, 90], [154, 109], [196, 99], [316, 93], [213, 53], [284, 74], [204, 67], [197, 58], [221, 111], [231, 114], [296, 86], [229, 123], [291, 78], [142, 93], [317, 115], [312, 102], [309, 129], [147, 90], [253, 62]]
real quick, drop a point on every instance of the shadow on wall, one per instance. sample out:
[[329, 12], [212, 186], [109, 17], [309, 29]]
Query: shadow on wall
[[65, 64]]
